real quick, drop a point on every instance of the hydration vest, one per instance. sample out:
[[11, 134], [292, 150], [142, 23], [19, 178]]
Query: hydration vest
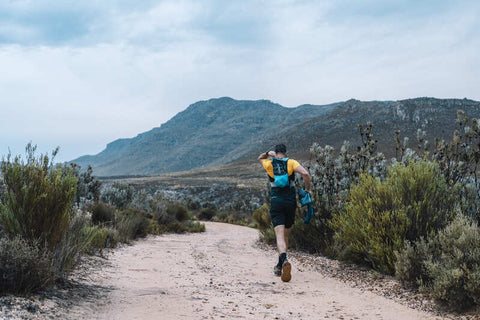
[[281, 179]]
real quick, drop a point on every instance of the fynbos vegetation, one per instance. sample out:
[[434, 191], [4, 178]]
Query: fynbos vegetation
[[36, 214], [38, 198], [50, 215], [416, 216]]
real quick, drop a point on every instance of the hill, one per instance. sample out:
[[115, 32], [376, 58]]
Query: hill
[[206, 133], [224, 130]]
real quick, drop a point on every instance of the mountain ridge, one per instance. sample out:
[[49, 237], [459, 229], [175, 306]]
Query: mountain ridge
[[221, 130]]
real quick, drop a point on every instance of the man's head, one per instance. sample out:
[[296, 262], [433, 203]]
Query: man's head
[[281, 148]]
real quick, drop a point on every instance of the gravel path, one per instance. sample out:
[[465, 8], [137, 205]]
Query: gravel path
[[223, 274]]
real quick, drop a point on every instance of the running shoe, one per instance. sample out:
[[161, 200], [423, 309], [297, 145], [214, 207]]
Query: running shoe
[[286, 271]]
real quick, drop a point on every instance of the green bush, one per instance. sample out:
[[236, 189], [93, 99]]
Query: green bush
[[188, 226], [193, 204], [176, 227], [99, 235], [424, 194], [38, 198], [220, 216], [112, 238], [306, 237], [102, 238], [169, 216], [410, 265], [207, 214], [160, 213], [234, 217], [380, 215], [264, 223], [132, 224], [455, 273], [154, 227], [102, 213], [302, 236], [194, 226], [178, 211], [24, 266], [75, 241]]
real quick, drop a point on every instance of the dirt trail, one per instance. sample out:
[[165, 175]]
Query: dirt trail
[[223, 274]]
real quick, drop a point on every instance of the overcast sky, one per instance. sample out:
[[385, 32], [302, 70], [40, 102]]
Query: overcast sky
[[80, 74]]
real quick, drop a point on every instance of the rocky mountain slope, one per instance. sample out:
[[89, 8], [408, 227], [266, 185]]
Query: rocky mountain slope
[[219, 131]]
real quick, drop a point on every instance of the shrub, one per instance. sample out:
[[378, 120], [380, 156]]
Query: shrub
[[370, 227], [380, 215], [99, 235], [177, 227], [194, 226], [424, 194], [75, 241], [24, 266], [207, 214], [262, 217], [102, 213], [459, 161], [132, 224], [3, 189], [160, 213], [410, 268], [112, 238], [102, 237], [171, 216], [117, 194], [189, 226], [234, 217], [332, 175], [304, 237], [456, 272], [178, 211], [155, 228], [220, 216], [193, 204], [264, 224], [88, 188], [38, 198], [141, 200], [163, 218]]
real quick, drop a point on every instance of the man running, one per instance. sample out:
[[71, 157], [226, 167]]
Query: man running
[[281, 173]]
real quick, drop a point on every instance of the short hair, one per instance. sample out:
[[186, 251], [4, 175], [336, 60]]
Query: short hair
[[281, 148]]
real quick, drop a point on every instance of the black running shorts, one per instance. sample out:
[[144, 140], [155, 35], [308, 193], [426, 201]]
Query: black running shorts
[[282, 213]]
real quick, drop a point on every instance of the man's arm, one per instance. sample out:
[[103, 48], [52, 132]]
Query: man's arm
[[305, 176], [265, 155]]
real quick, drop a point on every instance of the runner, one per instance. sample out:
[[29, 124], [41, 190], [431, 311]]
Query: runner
[[281, 173]]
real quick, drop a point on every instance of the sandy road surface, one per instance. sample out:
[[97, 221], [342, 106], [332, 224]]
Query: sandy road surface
[[222, 274]]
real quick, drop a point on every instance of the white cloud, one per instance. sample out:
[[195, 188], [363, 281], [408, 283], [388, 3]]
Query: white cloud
[[119, 70]]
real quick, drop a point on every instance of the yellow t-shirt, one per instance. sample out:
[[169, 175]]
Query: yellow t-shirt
[[291, 166]]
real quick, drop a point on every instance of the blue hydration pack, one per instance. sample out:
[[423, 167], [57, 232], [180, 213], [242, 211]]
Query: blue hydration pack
[[280, 172]]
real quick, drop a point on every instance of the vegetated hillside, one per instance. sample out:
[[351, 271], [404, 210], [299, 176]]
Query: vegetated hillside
[[220, 131], [237, 187]]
